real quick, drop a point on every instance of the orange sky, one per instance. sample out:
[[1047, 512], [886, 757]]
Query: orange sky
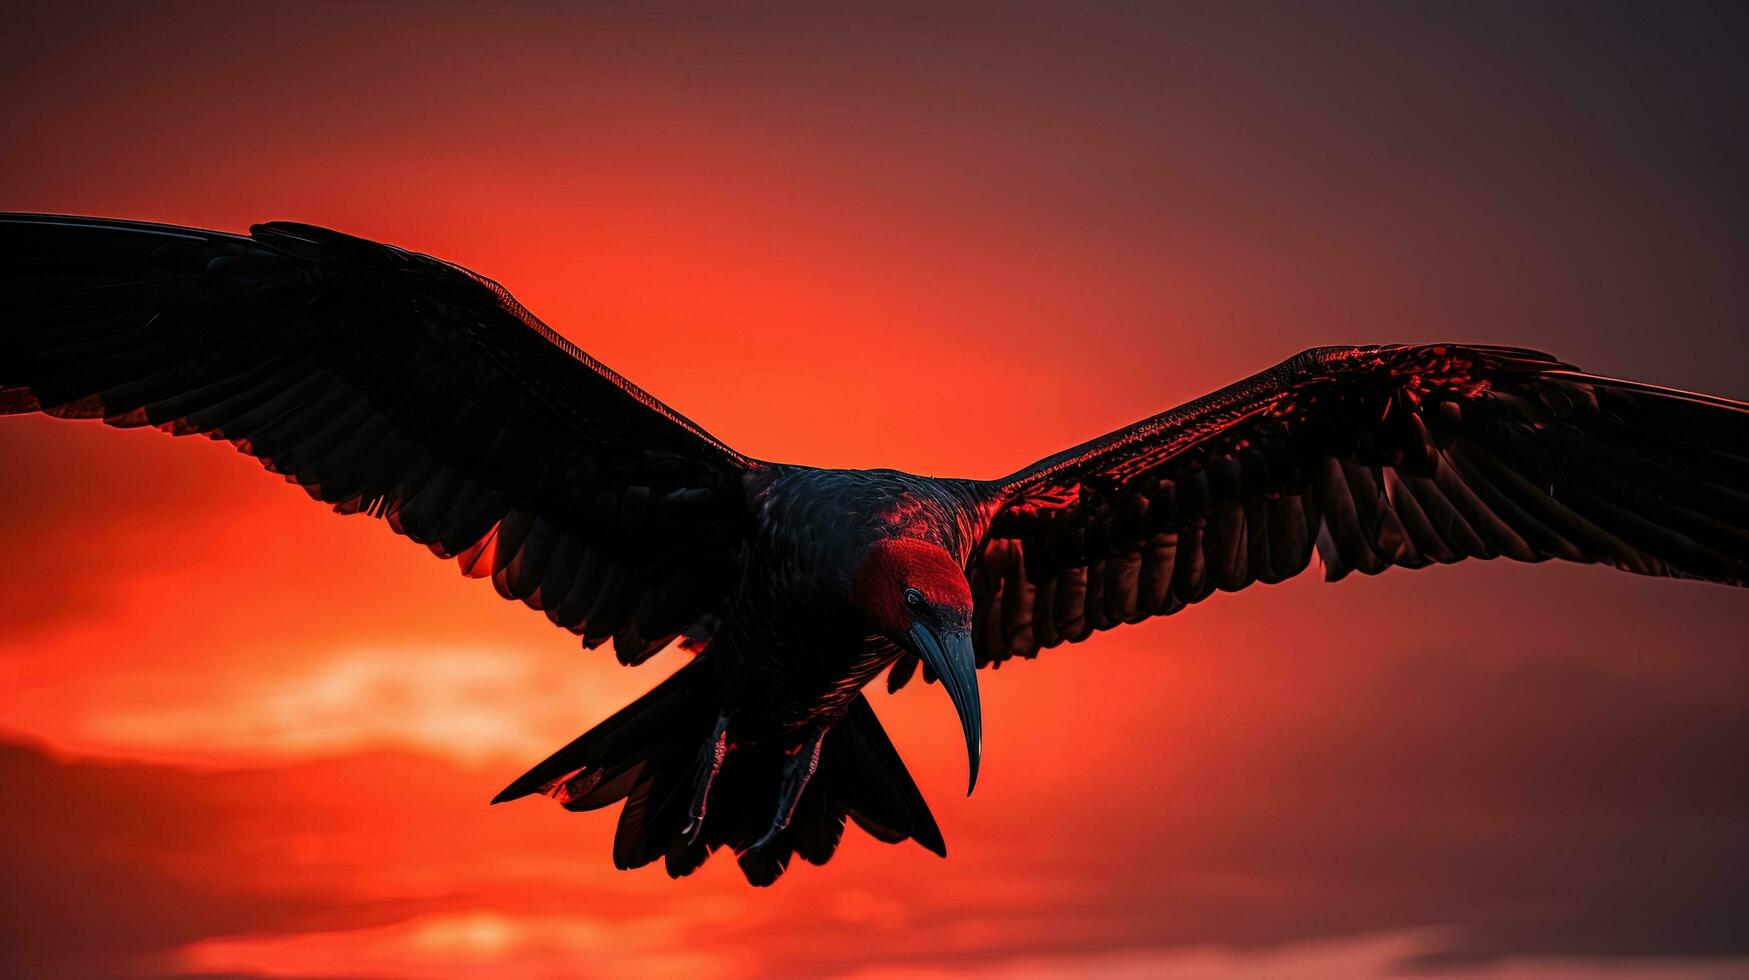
[[243, 736]]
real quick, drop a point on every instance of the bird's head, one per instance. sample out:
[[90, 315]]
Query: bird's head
[[915, 593]]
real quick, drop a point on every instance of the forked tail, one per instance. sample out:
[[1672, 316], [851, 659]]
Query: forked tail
[[646, 754]]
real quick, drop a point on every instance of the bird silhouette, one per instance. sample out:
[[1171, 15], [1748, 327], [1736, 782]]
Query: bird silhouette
[[392, 384]]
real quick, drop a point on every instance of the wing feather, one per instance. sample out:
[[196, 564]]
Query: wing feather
[[1374, 457], [387, 383]]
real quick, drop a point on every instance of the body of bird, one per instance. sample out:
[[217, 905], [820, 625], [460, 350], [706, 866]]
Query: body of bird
[[395, 385], [795, 648]]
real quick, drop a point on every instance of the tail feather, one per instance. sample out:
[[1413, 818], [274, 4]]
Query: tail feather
[[874, 786], [646, 755], [654, 812], [668, 712], [818, 830]]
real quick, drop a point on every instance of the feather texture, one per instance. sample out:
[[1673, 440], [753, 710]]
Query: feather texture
[[1376, 457], [387, 383]]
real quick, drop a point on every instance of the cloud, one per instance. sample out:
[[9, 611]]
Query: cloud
[[1459, 811], [1453, 815], [371, 864], [460, 703], [106, 869], [1546, 812], [488, 945], [1365, 956]]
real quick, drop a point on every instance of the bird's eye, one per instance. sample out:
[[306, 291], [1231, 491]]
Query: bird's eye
[[913, 598]]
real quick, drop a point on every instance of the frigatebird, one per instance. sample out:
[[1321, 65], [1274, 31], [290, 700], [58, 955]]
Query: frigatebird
[[393, 384]]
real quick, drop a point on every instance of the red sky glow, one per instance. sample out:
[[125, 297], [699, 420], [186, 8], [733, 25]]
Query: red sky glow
[[242, 736]]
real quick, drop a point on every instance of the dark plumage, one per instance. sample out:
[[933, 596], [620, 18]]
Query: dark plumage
[[399, 386]]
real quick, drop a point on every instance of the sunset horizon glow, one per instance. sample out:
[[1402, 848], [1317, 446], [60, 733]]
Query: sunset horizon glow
[[243, 736]]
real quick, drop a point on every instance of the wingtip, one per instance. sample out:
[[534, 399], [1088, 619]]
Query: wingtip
[[515, 791], [933, 844]]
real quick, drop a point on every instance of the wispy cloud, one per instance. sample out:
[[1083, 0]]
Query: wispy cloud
[[1588, 841], [486, 944], [1380, 955], [465, 704]]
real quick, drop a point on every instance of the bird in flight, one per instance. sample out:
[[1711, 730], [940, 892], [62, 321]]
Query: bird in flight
[[393, 384]]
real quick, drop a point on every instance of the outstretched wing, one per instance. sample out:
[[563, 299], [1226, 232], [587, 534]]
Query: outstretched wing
[[1375, 457], [387, 383]]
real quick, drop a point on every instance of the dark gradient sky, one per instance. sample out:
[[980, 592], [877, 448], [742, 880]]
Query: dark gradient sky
[[244, 736]]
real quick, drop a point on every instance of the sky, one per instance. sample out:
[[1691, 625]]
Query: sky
[[241, 736]]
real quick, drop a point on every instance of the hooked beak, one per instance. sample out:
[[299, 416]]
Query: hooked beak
[[950, 656]]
